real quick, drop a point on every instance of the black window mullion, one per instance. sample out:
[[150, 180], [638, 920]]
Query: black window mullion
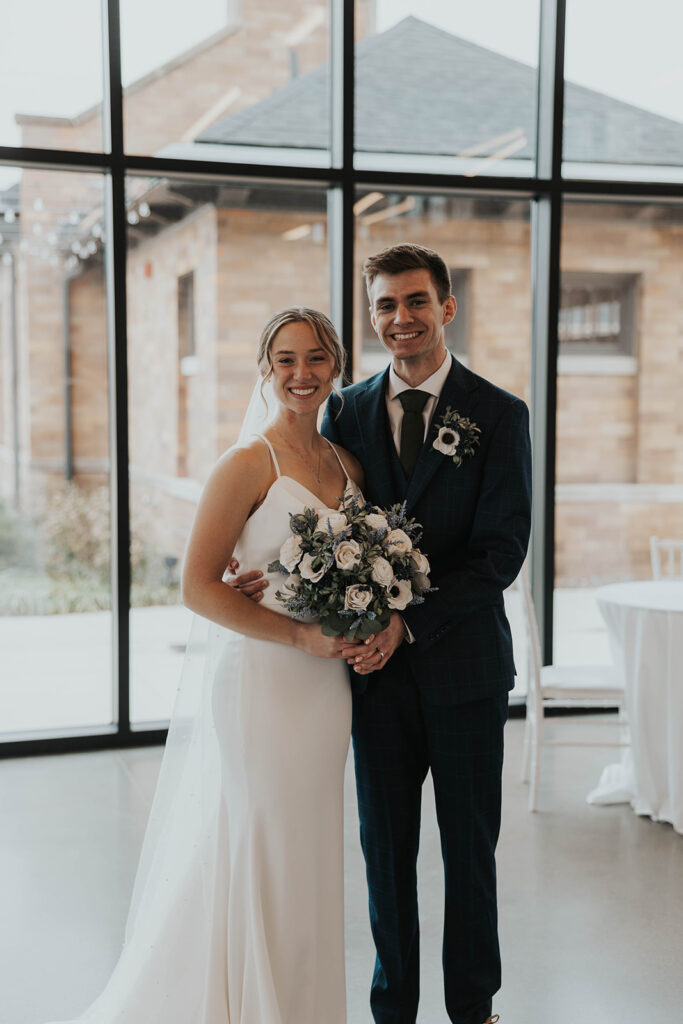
[[546, 240], [115, 255], [340, 205], [348, 182]]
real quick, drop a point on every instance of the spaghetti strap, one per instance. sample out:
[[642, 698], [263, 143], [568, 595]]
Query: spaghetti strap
[[272, 453], [348, 478]]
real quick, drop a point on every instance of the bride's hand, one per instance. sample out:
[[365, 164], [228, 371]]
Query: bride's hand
[[251, 584], [378, 649], [311, 639]]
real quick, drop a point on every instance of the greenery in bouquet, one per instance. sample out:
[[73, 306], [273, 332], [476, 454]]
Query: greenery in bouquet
[[352, 567]]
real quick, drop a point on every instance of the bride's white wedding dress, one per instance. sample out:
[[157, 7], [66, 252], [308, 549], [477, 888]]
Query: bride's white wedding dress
[[238, 910]]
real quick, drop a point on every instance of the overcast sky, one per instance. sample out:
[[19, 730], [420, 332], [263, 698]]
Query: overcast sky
[[50, 51]]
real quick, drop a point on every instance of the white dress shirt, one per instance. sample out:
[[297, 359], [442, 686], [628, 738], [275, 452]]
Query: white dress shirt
[[432, 386]]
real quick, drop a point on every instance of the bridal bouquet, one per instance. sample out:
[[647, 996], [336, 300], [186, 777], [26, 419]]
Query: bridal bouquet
[[352, 567]]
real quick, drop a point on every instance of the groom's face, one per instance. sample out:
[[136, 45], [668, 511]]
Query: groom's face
[[408, 317]]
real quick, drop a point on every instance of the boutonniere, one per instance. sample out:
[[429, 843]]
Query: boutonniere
[[457, 437]]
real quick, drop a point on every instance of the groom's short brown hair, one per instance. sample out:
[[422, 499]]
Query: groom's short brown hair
[[407, 256]]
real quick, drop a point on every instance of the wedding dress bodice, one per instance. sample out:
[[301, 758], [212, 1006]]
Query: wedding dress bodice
[[268, 527]]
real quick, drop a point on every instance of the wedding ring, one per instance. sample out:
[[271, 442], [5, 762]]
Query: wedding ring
[[381, 653]]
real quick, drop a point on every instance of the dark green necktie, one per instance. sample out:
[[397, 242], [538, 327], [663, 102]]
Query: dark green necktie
[[412, 427]]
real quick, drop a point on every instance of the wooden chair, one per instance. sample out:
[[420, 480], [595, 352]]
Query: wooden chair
[[667, 559], [558, 686]]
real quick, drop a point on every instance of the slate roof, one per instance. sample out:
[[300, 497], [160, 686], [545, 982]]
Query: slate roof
[[440, 95]]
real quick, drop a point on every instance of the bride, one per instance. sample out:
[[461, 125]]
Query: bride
[[237, 912], [283, 725]]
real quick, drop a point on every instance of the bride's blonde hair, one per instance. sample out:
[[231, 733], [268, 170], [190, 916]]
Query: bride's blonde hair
[[322, 328]]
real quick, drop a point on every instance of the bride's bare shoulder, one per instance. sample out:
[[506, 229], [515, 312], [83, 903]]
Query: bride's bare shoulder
[[250, 462]]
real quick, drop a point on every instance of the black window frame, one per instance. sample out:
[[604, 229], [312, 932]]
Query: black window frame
[[546, 190]]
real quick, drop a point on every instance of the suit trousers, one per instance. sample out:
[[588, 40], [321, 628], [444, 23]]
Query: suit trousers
[[398, 736]]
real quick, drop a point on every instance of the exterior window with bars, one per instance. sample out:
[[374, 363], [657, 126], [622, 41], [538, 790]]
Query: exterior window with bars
[[597, 314]]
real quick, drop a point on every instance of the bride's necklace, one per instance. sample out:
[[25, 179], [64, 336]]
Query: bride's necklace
[[305, 460], [317, 475]]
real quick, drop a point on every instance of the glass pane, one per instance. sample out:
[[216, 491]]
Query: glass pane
[[486, 245], [619, 413], [227, 80], [51, 75], [447, 87], [207, 265], [623, 118], [55, 620]]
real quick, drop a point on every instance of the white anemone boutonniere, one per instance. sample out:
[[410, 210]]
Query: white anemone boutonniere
[[457, 437]]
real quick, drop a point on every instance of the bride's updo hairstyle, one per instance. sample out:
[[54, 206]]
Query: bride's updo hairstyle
[[322, 328]]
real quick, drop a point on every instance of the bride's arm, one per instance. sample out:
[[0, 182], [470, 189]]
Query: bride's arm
[[238, 483]]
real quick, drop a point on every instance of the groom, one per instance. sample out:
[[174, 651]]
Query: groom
[[430, 691]]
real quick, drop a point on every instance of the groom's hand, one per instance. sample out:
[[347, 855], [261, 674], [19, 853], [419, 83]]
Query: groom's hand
[[377, 649], [250, 583]]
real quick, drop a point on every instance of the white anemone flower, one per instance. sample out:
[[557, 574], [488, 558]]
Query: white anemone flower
[[447, 442]]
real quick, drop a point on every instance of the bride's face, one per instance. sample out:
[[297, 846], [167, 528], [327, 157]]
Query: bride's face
[[302, 369]]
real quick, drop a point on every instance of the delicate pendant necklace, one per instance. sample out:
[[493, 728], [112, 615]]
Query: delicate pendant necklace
[[320, 448], [306, 461]]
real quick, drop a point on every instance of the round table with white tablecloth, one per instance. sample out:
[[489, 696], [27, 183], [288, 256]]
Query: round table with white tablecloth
[[645, 625]]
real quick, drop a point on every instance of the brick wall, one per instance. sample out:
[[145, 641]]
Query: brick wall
[[89, 373], [606, 541], [244, 270]]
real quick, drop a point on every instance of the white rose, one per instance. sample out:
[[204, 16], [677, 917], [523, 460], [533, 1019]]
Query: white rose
[[347, 554], [357, 597], [290, 553], [308, 572], [447, 442], [382, 572], [375, 521], [419, 561], [329, 520], [397, 540], [400, 595]]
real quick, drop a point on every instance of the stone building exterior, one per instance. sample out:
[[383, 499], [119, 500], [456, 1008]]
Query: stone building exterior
[[208, 263]]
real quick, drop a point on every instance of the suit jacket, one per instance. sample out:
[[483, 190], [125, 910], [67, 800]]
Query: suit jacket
[[476, 519]]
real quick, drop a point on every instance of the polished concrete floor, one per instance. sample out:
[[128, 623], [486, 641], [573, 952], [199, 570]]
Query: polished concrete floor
[[591, 898]]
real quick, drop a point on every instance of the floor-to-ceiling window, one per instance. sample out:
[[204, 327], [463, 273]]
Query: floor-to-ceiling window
[[224, 161]]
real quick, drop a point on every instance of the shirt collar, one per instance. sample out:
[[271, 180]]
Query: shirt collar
[[432, 385]]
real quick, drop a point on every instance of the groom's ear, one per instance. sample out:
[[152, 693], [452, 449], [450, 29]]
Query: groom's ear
[[449, 308]]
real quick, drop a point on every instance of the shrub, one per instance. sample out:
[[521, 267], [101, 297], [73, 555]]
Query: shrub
[[61, 562], [17, 540]]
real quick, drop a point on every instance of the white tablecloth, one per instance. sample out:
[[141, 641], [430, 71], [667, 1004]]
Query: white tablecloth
[[645, 624]]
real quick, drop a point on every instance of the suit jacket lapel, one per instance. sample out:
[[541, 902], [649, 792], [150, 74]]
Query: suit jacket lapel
[[458, 393], [371, 413]]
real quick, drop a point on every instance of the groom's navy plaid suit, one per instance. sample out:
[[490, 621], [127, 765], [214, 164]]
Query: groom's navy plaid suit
[[440, 703]]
